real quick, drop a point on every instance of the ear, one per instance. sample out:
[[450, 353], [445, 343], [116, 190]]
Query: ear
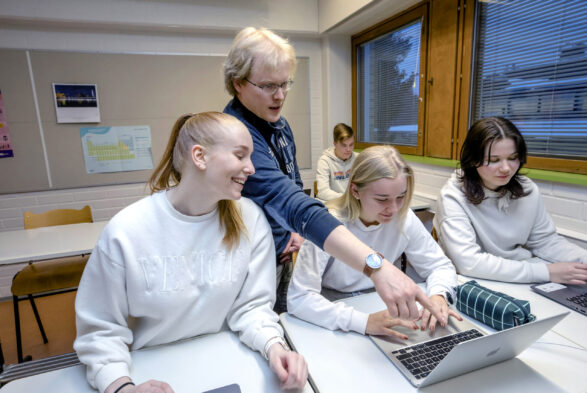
[[238, 85], [354, 190], [199, 156]]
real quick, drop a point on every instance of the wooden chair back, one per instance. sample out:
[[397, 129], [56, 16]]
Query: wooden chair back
[[57, 217], [315, 188]]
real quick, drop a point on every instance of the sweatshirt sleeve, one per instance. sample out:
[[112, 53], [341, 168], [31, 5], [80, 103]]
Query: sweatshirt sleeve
[[252, 312], [458, 238], [305, 301], [103, 335], [428, 259], [548, 245], [285, 202], [323, 175]]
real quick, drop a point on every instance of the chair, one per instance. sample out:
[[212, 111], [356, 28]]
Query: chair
[[49, 277], [434, 234], [57, 217], [315, 188]]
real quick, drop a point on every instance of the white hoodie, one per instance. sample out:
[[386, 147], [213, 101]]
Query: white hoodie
[[501, 238], [157, 276], [332, 174], [312, 272]]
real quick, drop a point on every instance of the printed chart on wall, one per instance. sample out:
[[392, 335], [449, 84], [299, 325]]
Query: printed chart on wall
[[117, 149], [5, 144]]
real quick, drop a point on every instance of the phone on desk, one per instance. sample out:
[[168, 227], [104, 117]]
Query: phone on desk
[[232, 388]]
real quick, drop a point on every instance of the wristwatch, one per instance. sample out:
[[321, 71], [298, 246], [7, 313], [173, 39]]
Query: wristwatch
[[373, 262]]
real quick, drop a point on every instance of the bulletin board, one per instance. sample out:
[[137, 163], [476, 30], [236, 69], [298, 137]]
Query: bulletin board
[[134, 90]]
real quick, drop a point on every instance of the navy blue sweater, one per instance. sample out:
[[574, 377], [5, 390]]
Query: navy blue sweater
[[276, 185]]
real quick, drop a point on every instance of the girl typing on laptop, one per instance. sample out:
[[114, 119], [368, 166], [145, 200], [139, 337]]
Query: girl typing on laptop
[[491, 220], [375, 208]]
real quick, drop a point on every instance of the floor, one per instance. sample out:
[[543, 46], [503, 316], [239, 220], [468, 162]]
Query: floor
[[58, 317]]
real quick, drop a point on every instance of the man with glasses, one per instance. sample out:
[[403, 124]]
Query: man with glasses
[[258, 72]]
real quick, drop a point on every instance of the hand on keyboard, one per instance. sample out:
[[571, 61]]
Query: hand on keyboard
[[428, 321], [380, 324]]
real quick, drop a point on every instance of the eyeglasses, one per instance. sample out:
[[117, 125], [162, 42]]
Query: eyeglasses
[[271, 88]]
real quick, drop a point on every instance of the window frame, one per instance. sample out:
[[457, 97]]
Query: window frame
[[470, 27], [447, 138], [420, 12]]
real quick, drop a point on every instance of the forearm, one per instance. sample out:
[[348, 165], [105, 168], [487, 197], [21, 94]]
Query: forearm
[[346, 247]]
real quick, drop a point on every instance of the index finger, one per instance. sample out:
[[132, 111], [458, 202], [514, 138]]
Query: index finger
[[431, 306]]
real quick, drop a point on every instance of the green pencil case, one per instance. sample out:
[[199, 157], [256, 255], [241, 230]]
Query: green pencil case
[[495, 309]]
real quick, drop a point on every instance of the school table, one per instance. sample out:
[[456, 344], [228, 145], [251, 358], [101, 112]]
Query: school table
[[572, 328], [417, 204], [350, 362], [29, 245], [189, 366]]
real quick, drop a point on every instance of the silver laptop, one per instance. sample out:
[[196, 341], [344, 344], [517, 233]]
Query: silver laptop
[[459, 348], [572, 296]]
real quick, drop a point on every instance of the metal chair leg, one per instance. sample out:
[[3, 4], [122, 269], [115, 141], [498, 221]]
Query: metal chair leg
[[38, 318], [17, 328], [1, 358]]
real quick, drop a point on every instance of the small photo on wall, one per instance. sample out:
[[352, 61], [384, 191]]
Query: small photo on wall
[[76, 103]]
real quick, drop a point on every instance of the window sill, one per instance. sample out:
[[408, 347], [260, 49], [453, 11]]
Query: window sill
[[539, 174]]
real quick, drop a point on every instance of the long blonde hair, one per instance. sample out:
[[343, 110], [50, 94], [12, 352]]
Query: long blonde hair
[[373, 163], [198, 129]]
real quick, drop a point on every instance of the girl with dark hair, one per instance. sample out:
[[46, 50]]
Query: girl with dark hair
[[185, 261], [491, 220]]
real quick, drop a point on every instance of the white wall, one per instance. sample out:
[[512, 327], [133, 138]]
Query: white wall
[[300, 16]]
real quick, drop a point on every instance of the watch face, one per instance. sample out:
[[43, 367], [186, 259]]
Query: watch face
[[374, 261]]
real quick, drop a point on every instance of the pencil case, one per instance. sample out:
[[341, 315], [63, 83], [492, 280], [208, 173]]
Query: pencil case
[[495, 309]]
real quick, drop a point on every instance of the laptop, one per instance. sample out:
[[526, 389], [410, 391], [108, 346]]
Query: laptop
[[459, 348], [572, 296]]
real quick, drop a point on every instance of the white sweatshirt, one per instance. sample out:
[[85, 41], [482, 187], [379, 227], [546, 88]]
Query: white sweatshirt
[[332, 174], [305, 301], [158, 276], [501, 238]]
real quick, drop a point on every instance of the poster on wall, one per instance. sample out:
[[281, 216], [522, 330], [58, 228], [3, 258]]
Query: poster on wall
[[76, 103], [5, 144], [117, 149]]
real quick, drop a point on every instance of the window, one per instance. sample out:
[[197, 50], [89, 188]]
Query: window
[[387, 83], [531, 67]]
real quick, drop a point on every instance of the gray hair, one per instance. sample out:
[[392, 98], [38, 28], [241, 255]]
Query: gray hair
[[262, 45]]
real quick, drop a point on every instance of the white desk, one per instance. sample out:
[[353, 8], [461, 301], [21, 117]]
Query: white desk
[[572, 328], [26, 245], [417, 204], [349, 362], [190, 366]]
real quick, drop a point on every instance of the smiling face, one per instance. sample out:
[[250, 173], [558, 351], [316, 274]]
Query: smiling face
[[500, 163], [266, 106], [381, 199], [228, 162], [344, 149]]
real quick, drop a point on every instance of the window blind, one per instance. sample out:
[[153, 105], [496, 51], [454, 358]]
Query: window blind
[[388, 87], [531, 67]]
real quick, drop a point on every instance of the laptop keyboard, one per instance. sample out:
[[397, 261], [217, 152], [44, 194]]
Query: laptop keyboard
[[581, 299], [421, 359]]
